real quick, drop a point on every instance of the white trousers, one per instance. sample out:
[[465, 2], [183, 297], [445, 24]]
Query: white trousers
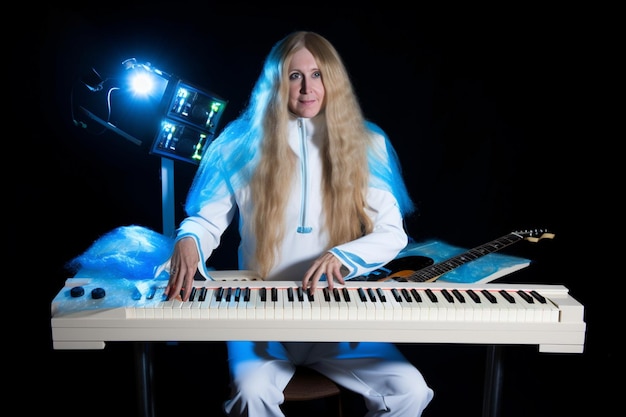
[[390, 385]]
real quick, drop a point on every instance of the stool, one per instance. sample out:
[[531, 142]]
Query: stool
[[307, 384]]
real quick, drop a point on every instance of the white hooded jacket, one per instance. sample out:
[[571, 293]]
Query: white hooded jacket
[[304, 239]]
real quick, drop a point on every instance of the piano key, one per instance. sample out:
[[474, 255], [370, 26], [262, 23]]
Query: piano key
[[458, 295], [538, 296], [431, 295]]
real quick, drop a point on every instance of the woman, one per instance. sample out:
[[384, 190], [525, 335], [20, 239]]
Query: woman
[[320, 198]]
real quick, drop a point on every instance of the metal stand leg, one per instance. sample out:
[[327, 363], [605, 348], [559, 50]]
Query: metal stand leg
[[493, 381], [143, 365]]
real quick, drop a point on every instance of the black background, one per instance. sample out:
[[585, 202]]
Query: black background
[[482, 106]]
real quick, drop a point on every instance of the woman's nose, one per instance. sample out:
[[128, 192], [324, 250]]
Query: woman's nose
[[303, 89]]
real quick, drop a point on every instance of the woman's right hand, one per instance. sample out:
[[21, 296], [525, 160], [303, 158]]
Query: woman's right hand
[[183, 267]]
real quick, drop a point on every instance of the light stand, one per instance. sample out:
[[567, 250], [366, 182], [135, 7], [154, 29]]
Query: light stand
[[143, 350], [167, 196], [189, 117]]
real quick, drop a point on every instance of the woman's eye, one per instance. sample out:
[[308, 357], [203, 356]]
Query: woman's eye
[[294, 76]]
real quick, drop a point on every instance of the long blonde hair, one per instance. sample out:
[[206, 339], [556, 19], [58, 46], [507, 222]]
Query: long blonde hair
[[345, 144], [253, 150]]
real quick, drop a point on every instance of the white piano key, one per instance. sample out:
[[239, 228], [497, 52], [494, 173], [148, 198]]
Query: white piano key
[[393, 310], [297, 305], [475, 306], [214, 305], [282, 306], [205, 304], [508, 310], [316, 305], [339, 300], [446, 309], [491, 310], [247, 305], [260, 305], [430, 309], [321, 303], [525, 312], [185, 310], [412, 303]]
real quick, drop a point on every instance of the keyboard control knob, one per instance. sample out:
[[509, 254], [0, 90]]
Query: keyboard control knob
[[97, 293], [77, 292]]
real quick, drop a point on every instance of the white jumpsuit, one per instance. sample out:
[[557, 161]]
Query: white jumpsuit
[[390, 385]]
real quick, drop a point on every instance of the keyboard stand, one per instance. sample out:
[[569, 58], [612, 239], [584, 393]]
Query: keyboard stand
[[143, 366], [491, 395], [493, 381]]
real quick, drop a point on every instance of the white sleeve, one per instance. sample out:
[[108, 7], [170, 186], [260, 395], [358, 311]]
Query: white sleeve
[[207, 227], [374, 250]]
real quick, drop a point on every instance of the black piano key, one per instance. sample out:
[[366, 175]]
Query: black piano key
[[310, 294], [381, 295], [274, 294], [458, 296], [489, 296], [202, 295], [326, 294], [192, 296], [538, 296], [371, 294], [300, 294], [263, 294], [290, 294], [219, 294], [508, 297], [237, 294], [229, 294], [346, 294], [336, 295], [396, 295], [362, 294], [246, 294], [526, 297], [474, 296], [416, 296], [446, 294], [431, 295]]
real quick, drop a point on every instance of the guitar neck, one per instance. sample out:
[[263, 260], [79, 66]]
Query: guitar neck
[[434, 271]]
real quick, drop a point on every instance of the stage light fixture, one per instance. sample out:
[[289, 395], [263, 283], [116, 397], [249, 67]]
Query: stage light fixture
[[189, 123], [183, 118]]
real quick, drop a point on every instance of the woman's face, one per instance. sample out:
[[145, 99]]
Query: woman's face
[[306, 90]]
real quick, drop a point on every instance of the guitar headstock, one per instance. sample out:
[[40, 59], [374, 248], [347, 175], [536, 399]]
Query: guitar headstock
[[535, 235]]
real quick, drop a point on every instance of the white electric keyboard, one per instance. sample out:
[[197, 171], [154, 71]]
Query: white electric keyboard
[[87, 312]]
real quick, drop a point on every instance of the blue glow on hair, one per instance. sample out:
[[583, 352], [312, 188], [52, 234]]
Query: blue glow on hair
[[386, 172]]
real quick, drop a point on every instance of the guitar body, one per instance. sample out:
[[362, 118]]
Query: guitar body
[[405, 267]]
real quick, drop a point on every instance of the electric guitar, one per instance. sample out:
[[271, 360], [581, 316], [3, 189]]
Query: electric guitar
[[422, 269]]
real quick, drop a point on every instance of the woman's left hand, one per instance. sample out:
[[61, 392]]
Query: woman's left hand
[[328, 265]]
